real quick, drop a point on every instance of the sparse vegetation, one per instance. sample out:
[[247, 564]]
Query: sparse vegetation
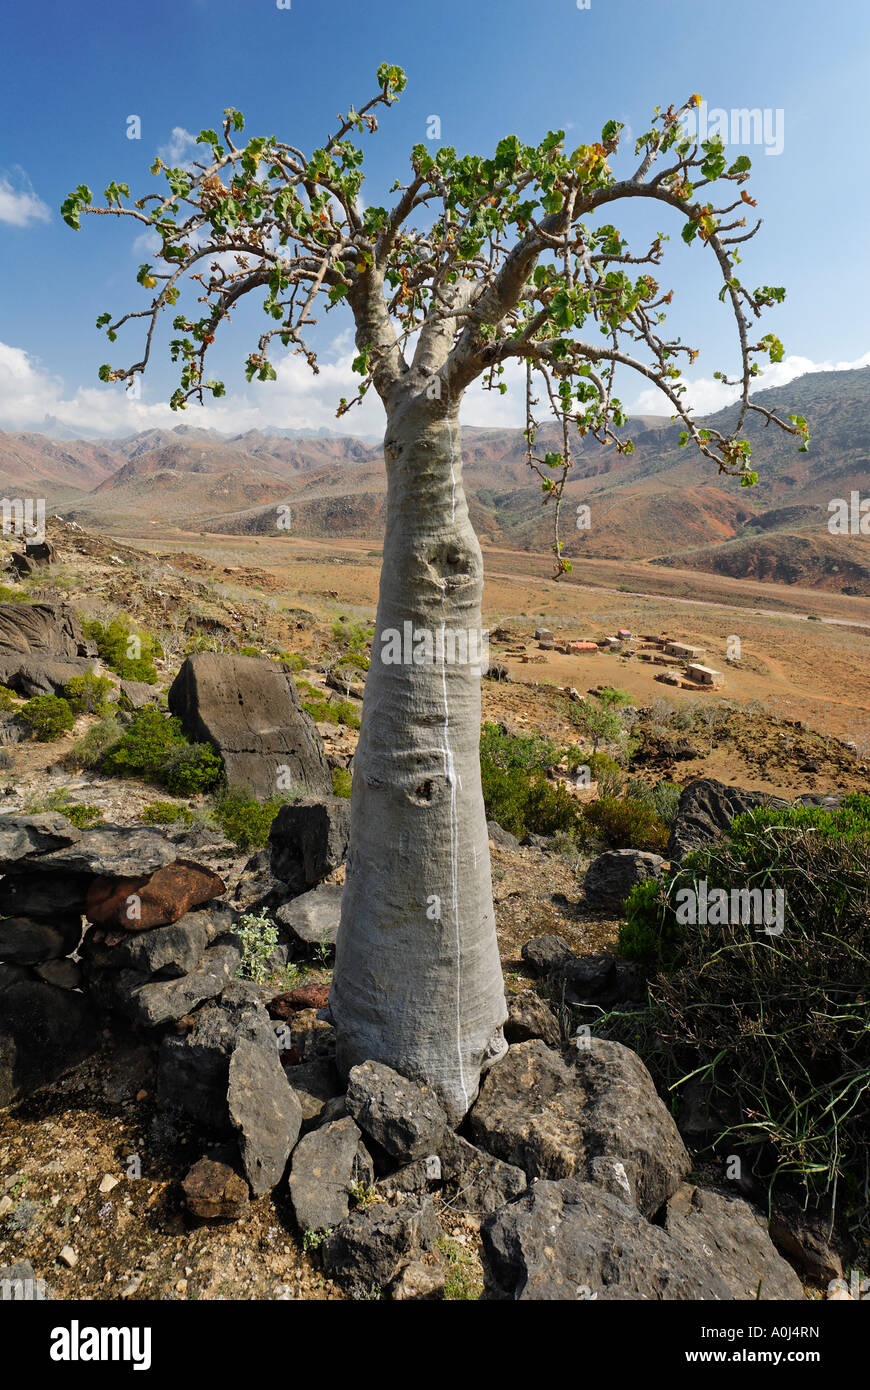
[[46, 717], [259, 937]]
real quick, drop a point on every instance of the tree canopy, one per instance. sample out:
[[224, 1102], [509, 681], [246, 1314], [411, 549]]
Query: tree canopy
[[479, 262]]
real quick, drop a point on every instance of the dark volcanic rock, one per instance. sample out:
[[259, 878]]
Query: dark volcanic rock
[[325, 1165], [24, 942], [612, 875], [264, 1111], [249, 709], [40, 627], [172, 950], [23, 836], [726, 1230], [314, 917], [705, 813], [546, 954], [44, 1032], [403, 1116], [366, 1251], [116, 851], [529, 1017], [193, 1071], [308, 840], [150, 1002], [551, 1117], [571, 1240], [43, 897]]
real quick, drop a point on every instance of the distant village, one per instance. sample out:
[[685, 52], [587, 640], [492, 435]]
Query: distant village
[[683, 663]]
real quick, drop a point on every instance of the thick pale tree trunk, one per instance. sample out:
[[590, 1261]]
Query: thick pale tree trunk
[[418, 982]]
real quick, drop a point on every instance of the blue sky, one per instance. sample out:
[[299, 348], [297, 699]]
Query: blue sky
[[74, 73]]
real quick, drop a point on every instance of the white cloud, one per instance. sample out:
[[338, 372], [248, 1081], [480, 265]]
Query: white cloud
[[21, 207], [299, 399], [180, 148], [705, 396]]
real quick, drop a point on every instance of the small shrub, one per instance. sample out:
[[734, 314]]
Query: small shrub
[[82, 815], [89, 751], [88, 694], [296, 663], [128, 653], [624, 823], [8, 594], [8, 700], [191, 769], [143, 750], [47, 717], [259, 937], [341, 781], [245, 820]]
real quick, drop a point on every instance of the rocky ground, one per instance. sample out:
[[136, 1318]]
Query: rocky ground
[[132, 1164]]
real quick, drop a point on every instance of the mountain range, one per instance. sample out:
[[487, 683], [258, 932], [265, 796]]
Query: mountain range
[[660, 503]]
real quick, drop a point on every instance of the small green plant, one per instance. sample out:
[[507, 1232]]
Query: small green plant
[[47, 717], [363, 1194], [625, 823], [10, 595], [8, 700], [259, 937], [88, 694], [463, 1281], [82, 815], [341, 781], [245, 820], [312, 1240], [291, 659]]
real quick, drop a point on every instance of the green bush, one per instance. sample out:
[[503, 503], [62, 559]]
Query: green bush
[[167, 813], [81, 815], [155, 748], [146, 746], [192, 768], [88, 694], [354, 638], [8, 699], [8, 594], [245, 820], [777, 1022], [526, 803], [625, 823], [530, 752], [291, 659], [128, 653], [47, 717], [341, 781]]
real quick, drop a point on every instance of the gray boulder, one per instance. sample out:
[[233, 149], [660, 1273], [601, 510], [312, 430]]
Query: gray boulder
[[111, 851], [612, 875], [705, 812], [44, 1032], [264, 1111], [366, 1251], [40, 627], [248, 708], [403, 1116], [308, 840], [314, 917], [546, 953], [136, 695], [727, 1231], [571, 1240], [25, 942], [326, 1163], [151, 1002], [551, 1117], [172, 951]]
